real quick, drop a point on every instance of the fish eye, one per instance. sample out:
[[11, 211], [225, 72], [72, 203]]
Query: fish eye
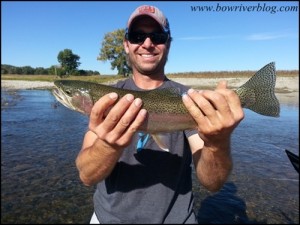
[[68, 92]]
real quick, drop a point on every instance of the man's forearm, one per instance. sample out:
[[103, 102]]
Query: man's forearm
[[213, 167], [96, 162]]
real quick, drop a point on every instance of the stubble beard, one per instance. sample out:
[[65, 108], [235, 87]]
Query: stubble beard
[[154, 69]]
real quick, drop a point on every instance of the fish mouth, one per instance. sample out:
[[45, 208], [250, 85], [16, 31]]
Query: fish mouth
[[63, 98]]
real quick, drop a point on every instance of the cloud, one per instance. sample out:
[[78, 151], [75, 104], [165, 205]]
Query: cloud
[[251, 37], [265, 36], [200, 38]]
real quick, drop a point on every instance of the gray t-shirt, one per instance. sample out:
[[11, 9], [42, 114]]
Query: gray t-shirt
[[149, 185]]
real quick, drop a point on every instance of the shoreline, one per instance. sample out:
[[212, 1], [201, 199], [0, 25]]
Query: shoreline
[[21, 85], [286, 89]]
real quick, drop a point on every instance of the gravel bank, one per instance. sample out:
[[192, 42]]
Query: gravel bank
[[288, 83], [21, 84]]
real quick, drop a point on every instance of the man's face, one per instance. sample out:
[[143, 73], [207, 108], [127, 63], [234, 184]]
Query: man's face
[[147, 58]]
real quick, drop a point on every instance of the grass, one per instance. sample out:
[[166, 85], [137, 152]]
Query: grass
[[51, 78], [230, 74]]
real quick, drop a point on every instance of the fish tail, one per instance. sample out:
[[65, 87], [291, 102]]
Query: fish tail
[[258, 93]]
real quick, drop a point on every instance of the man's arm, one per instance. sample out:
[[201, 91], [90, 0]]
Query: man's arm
[[217, 113], [212, 166], [109, 133], [96, 161]]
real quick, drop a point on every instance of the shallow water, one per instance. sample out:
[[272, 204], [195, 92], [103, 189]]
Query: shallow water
[[40, 140]]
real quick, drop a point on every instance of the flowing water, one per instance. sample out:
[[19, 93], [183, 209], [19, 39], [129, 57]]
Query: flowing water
[[40, 140]]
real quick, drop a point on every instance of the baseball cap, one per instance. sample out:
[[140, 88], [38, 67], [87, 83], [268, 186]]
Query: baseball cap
[[153, 12]]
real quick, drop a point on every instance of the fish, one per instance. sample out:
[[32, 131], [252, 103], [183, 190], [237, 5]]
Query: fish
[[166, 111], [258, 93]]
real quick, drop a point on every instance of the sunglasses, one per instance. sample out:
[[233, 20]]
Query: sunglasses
[[139, 38]]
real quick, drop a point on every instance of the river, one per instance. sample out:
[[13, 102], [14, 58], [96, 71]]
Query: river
[[40, 140]]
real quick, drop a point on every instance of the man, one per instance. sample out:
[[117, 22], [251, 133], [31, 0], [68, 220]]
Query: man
[[138, 182]]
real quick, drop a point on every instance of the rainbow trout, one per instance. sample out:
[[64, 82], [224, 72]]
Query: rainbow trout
[[166, 111]]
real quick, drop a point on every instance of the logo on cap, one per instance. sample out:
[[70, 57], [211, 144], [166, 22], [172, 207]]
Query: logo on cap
[[146, 9]]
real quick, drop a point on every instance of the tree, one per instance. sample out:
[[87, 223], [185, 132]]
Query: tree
[[27, 70], [68, 61], [40, 71], [113, 50]]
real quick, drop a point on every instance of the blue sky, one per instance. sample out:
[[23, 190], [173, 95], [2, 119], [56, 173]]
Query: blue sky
[[226, 38]]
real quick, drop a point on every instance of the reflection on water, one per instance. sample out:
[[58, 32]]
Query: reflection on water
[[40, 140], [224, 207]]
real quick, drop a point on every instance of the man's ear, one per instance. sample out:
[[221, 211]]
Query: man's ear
[[125, 44]]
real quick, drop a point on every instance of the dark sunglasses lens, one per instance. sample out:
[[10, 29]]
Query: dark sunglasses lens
[[159, 38], [136, 38], [139, 38]]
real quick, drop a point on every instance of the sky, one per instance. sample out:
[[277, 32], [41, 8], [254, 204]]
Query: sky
[[207, 35]]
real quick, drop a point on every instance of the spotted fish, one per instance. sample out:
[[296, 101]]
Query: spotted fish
[[258, 95], [166, 111]]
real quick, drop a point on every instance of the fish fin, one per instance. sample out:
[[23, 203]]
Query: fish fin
[[161, 141], [258, 93]]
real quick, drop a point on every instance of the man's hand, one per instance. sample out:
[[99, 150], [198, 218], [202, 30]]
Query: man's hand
[[216, 112], [116, 122]]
